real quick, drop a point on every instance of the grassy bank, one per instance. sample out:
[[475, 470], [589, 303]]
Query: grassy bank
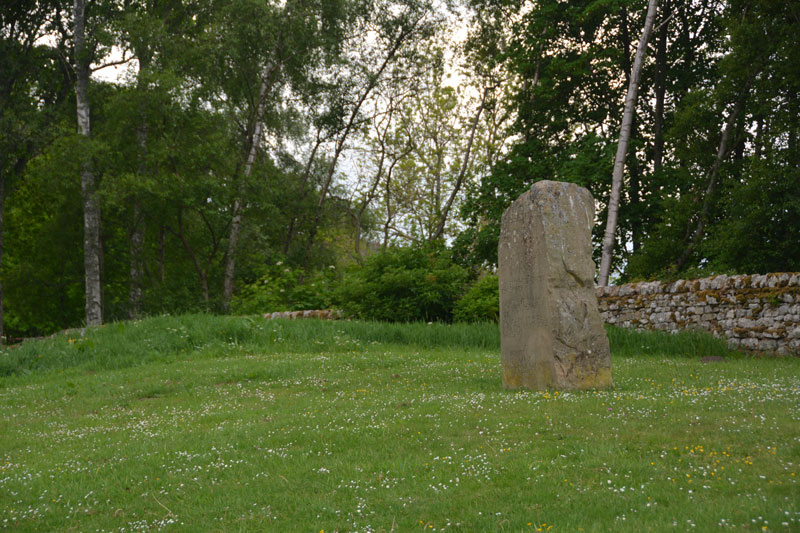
[[214, 423], [167, 338]]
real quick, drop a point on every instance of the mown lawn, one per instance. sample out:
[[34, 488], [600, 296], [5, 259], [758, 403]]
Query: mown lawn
[[204, 423]]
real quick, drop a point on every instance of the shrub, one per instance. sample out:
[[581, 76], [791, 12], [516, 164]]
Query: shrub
[[280, 289], [481, 303], [404, 285]]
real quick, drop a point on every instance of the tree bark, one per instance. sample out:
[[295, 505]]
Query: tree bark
[[137, 260], [253, 142], [660, 88], [622, 147], [370, 195], [267, 80], [304, 181], [92, 248], [713, 173], [634, 202], [162, 250], [137, 230], [462, 171], [137, 233], [201, 272]]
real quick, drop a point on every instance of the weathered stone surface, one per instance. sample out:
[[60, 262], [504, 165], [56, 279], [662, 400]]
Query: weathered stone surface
[[551, 332]]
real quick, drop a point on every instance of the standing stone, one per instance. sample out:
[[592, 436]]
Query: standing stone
[[551, 332]]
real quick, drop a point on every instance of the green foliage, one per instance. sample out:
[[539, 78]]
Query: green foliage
[[481, 303], [568, 57], [404, 285], [761, 216], [283, 288]]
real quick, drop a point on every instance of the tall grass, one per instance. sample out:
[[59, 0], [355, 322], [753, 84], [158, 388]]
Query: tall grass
[[692, 343], [168, 338]]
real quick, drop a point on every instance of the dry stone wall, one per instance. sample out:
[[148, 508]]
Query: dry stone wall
[[759, 312], [325, 314]]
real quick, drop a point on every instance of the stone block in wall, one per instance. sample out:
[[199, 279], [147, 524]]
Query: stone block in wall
[[651, 287], [748, 343], [767, 345], [719, 282], [746, 323], [625, 290]]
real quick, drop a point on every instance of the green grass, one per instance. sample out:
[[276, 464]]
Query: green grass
[[217, 423]]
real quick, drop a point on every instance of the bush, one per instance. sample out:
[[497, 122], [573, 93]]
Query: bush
[[481, 303], [280, 290], [404, 285]]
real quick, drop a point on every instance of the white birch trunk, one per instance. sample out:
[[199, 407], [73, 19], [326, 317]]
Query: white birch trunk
[[622, 147], [236, 222], [92, 249]]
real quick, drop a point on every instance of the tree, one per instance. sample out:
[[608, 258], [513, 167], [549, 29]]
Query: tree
[[286, 46], [715, 152], [398, 31], [622, 148], [561, 73], [92, 247], [24, 91]]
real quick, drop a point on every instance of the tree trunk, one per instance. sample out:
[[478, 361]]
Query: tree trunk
[[660, 88], [622, 147], [367, 199], [202, 274], [137, 234], [635, 193], [389, 212], [162, 250], [267, 79], [137, 260], [722, 152], [374, 79], [306, 175], [92, 248], [462, 171], [253, 142]]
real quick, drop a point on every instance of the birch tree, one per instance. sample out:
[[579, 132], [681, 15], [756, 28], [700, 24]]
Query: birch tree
[[397, 36], [92, 247], [609, 237], [304, 36]]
